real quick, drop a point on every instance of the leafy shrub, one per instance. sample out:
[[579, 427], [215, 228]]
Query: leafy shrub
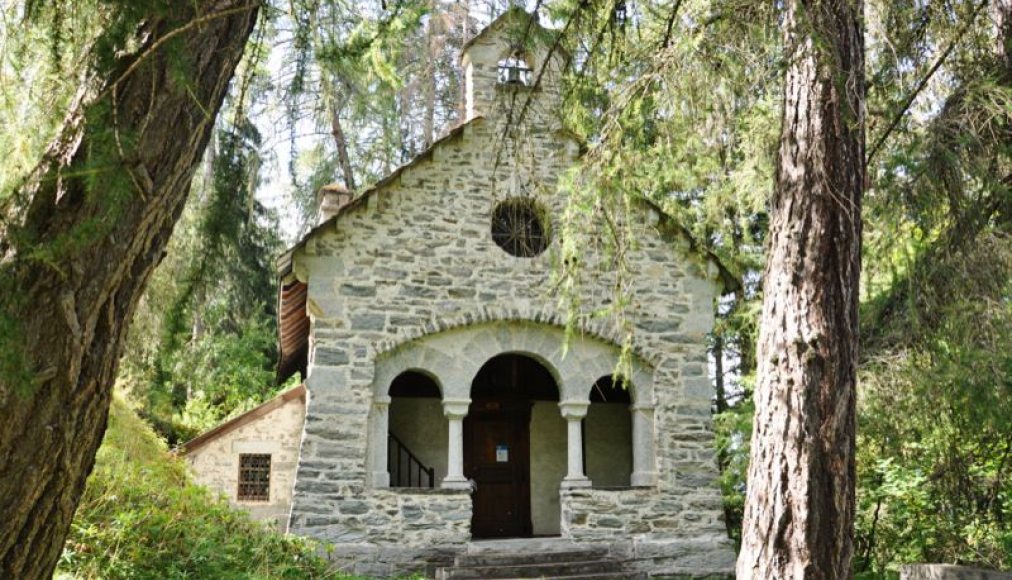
[[141, 517]]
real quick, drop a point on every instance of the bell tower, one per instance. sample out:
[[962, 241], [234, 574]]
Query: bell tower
[[508, 63]]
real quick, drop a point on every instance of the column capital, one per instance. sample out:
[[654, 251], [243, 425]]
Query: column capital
[[646, 408], [381, 401], [572, 410], [456, 408]]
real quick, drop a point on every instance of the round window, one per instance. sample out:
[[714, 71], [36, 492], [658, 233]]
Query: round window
[[518, 227]]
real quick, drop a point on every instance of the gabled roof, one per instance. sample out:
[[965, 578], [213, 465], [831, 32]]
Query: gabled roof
[[293, 323], [253, 414], [512, 14], [284, 262]]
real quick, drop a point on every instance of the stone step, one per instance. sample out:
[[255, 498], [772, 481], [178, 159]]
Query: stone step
[[536, 570], [521, 558], [524, 545], [606, 576]]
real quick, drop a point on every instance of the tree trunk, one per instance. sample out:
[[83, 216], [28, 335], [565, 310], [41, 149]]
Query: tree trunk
[[93, 224], [799, 508], [341, 142], [1001, 14], [429, 79], [718, 372]]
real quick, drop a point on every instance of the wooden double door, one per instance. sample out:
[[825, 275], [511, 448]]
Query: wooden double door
[[497, 458]]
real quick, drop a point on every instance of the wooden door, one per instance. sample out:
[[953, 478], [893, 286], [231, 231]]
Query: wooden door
[[497, 458]]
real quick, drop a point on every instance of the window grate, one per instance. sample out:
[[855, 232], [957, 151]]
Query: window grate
[[518, 227], [255, 477]]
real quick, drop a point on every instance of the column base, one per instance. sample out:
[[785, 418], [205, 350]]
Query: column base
[[458, 482], [643, 479], [568, 483]]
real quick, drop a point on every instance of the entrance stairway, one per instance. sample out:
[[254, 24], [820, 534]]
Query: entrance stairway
[[535, 559]]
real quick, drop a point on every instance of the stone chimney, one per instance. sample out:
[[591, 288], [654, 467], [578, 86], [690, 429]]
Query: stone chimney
[[330, 199]]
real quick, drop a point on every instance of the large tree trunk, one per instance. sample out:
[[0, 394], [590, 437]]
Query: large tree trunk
[[799, 508], [91, 227]]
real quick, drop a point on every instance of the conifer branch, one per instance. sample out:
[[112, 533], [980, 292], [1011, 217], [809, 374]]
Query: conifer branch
[[148, 52], [923, 83]]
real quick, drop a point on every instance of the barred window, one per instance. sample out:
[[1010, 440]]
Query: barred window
[[255, 476], [518, 226]]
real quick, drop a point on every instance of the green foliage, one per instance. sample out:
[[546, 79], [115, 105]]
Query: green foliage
[[210, 353], [733, 434], [935, 437], [140, 517]]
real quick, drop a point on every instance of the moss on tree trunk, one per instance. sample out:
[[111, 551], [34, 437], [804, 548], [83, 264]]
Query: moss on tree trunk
[[91, 226]]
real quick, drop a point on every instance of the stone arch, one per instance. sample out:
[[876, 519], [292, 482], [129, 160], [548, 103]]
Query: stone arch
[[420, 371], [454, 355], [520, 314], [426, 361]]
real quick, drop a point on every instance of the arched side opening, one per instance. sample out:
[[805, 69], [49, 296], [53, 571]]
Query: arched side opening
[[418, 434], [515, 448], [607, 434]]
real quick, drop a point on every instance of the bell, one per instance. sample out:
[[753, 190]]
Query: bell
[[514, 75]]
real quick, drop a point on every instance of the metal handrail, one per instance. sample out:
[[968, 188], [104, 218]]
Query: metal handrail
[[403, 457]]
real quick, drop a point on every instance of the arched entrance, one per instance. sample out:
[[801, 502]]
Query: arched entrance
[[497, 443]]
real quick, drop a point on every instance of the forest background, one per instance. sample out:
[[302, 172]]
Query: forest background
[[679, 102]]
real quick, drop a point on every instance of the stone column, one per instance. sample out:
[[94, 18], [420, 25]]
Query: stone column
[[643, 448], [574, 412], [378, 434], [455, 411]]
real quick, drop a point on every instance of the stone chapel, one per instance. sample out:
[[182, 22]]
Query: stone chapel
[[444, 412]]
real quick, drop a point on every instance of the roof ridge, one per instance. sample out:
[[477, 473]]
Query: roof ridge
[[234, 423]]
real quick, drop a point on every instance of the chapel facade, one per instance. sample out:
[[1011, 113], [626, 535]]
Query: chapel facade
[[445, 402]]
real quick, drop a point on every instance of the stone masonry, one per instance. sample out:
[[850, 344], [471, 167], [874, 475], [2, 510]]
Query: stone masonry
[[408, 277], [278, 433]]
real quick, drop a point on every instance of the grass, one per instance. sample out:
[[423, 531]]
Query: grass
[[142, 517]]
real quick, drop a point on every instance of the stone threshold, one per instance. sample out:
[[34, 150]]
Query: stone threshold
[[544, 544]]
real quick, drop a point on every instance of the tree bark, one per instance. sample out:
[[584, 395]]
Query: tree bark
[[799, 508], [100, 210], [341, 142]]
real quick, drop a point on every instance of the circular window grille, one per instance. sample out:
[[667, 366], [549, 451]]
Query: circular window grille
[[518, 227]]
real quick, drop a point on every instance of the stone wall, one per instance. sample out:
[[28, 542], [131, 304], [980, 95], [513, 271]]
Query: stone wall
[[950, 572], [666, 533], [368, 532], [279, 433]]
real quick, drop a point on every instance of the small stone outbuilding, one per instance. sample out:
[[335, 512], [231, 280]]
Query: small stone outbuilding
[[446, 402], [252, 458]]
